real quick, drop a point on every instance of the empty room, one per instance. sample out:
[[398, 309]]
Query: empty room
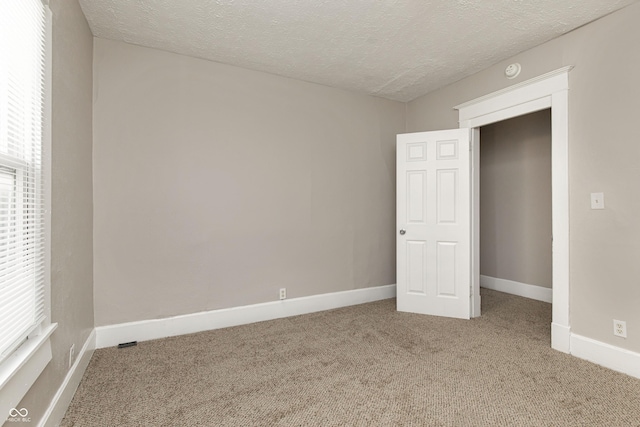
[[391, 213]]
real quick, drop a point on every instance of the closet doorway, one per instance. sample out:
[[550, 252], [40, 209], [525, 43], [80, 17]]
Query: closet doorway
[[547, 91], [515, 206]]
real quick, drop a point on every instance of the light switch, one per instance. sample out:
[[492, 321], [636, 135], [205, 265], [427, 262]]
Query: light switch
[[597, 200]]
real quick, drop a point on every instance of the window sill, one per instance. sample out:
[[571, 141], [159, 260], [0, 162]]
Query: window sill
[[21, 370]]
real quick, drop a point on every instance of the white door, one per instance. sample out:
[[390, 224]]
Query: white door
[[434, 223]]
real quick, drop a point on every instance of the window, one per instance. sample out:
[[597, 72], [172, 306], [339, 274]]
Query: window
[[23, 216], [21, 195]]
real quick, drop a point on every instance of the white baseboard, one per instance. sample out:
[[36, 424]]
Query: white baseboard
[[607, 355], [516, 288], [612, 357], [111, 335], [60, 402]]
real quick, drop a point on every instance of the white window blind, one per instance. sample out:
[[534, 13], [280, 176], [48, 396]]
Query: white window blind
[[22, 234]]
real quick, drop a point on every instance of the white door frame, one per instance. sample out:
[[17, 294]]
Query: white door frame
[[549, 90]]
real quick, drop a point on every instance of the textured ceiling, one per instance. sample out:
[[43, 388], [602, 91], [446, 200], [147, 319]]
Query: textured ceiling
[[396, 49]]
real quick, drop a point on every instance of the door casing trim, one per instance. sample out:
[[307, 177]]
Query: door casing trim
[[550, 90]]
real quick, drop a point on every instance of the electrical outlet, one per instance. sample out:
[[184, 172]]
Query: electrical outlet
[[72, 353], [620, 328], [283, 293]]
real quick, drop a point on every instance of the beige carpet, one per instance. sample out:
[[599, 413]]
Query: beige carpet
[[366, 365]]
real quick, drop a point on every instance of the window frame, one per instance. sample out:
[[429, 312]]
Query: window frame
[[20, 370]]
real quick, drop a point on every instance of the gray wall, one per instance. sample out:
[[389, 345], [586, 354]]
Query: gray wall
[[214, 186], [72, 208], [604, 100], [515, 199]]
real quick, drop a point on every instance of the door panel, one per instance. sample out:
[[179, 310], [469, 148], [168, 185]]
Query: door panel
[[434, 223], [416, 201], [446, 189], [417, 267], [446, 265]]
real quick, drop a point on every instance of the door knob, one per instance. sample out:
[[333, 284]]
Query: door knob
[[402, 232]]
